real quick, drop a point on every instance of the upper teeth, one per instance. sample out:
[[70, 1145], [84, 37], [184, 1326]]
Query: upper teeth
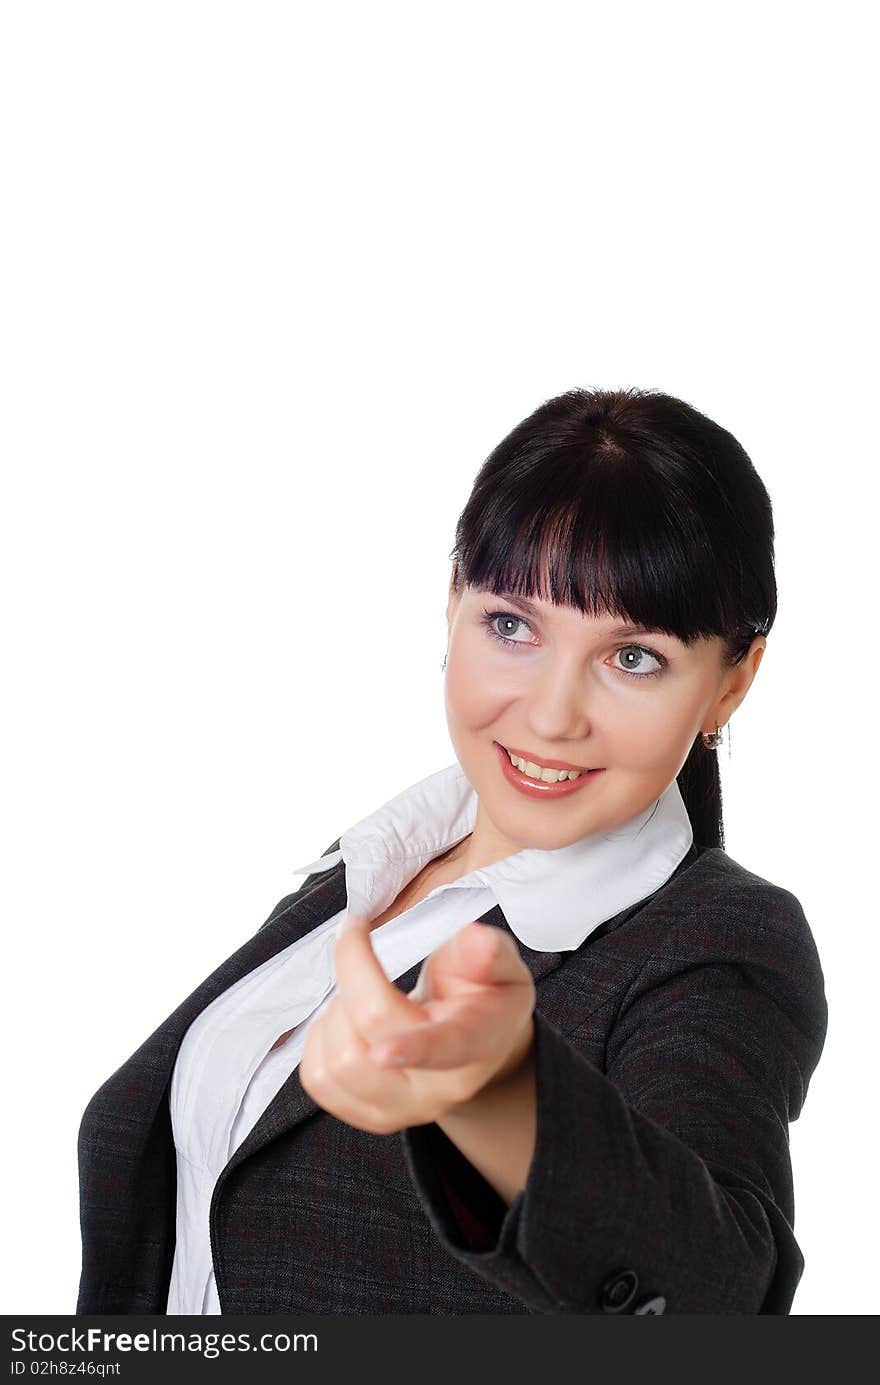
[[549, 776]]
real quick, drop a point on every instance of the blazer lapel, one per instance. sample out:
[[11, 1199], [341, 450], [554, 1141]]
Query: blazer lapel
[[148, 1070]]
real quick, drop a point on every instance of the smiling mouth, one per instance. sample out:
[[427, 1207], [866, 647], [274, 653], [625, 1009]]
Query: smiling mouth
[[526, 760]]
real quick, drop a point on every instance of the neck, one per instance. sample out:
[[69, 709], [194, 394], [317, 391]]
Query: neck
[[480, 848]]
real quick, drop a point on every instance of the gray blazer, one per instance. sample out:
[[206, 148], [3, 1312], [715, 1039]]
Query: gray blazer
[[672, 1049]]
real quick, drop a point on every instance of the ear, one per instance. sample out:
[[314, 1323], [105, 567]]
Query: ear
[[755, 654], [738, 683]]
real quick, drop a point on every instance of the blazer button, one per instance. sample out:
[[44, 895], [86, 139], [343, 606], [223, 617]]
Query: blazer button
[[618, 1291], [657, 1304]]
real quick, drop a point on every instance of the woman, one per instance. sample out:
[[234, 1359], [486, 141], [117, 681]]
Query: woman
[[603, 1024]]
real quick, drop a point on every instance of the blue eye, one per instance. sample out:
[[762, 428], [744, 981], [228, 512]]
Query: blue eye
[[642, 649], [490, 617]]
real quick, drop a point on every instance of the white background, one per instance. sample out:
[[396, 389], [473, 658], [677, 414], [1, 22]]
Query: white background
[[276, 278]]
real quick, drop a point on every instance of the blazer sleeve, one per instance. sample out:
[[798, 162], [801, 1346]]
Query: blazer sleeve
[[669, 1172]]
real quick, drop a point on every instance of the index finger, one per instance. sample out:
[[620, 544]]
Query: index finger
[[372, 1002]]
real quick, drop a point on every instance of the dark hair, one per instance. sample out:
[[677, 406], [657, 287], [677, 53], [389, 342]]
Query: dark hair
[[629, 502]]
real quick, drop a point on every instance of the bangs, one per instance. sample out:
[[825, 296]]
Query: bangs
[[605, 537]]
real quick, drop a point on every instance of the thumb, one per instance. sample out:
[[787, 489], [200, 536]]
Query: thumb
[[484, 953]]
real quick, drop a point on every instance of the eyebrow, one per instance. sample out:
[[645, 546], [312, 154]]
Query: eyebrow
[[532, 610]]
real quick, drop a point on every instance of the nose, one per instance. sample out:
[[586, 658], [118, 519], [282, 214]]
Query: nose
[[557, 708]]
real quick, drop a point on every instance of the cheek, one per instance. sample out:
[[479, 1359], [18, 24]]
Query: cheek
[[476, 689], [471, 702], [658, 731]]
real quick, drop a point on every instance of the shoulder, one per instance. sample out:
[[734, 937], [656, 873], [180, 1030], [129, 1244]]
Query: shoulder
[[719, 926], [308, 884], [717, 887], [714, 907]]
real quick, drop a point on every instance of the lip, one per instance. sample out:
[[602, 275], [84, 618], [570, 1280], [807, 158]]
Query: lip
[[533, 788]]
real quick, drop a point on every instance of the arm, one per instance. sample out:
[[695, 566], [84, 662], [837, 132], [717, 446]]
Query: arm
[[495, 1130], [674, 1161]]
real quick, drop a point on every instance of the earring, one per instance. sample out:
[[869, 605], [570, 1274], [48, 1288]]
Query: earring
[[443, 665], [712, 739]]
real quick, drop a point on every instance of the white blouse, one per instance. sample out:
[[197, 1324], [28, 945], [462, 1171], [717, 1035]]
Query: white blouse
[[227, 1072]]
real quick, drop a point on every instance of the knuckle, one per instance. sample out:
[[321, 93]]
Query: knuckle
[[495, 945], [527, 983], [354, 1058], [424, 1114], [381, 1124], [312, 1078], [373, 1014], [346, 1059]]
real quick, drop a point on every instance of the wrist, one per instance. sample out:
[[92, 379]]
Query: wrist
[[519, 1057]]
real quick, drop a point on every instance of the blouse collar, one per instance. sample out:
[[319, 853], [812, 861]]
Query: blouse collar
[[552, 899]]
